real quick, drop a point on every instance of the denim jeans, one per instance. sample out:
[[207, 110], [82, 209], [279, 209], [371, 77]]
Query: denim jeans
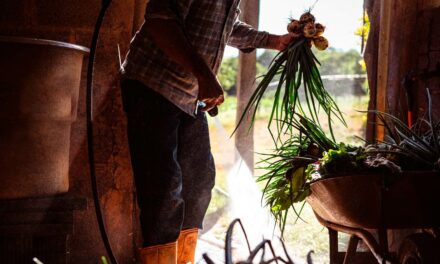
[[172, 163]]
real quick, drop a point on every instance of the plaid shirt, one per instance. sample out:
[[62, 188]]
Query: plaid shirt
[[209, 26]]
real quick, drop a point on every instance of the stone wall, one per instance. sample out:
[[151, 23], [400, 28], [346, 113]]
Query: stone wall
[[73, 21]]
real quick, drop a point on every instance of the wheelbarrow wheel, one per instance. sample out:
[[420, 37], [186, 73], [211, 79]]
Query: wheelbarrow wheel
[[419, 249]]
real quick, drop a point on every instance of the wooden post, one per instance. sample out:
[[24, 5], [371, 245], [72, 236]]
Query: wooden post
[[398, 53], [244, 137], [427, 4], [396, 56], [382, 76], [371, 59], [402, 57], [350, 256], [334, 250]]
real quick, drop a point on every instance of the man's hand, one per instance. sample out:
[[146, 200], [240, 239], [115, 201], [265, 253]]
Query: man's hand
[[281, 42], [165, 33], [210, 91]]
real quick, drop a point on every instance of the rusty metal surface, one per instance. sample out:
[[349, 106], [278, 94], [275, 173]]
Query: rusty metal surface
[[364, 201], [39, 87], [43, 42], [379, 254]]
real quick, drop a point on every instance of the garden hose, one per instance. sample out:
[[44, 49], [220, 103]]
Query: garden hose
[[89, 109]]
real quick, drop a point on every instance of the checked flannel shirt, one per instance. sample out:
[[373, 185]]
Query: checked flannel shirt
[[209, 25]]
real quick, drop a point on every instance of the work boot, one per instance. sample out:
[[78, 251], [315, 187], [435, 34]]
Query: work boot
[[160, 254], [186, 246]]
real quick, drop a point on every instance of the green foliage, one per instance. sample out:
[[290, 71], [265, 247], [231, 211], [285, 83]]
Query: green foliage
[[228, 73], [364, 29], [287, 180], [266, 58], [417, 147], [335, 61], [104, 260], [309, 154], [344, 159]]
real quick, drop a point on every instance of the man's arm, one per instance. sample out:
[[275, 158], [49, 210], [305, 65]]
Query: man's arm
[[246, 38], [167, 33]]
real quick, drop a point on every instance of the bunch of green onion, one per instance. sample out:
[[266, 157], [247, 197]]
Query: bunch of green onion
[[297, 68]]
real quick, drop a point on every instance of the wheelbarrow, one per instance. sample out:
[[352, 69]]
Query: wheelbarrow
[[365, 205]]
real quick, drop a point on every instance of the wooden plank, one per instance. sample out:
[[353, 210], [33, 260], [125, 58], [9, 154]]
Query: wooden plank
[[55, 203], [382, 76], [333, 236], [244, 137], [401, 56], [428, 48], [36, 229], [36, 218], [428, 4], [351, 250], [371, 59]]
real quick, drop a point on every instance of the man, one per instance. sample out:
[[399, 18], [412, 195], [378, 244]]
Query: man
[[172, 65]]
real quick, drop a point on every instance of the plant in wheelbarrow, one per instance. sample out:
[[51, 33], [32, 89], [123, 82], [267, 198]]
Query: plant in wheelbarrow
[[386, 185], [307, 156]]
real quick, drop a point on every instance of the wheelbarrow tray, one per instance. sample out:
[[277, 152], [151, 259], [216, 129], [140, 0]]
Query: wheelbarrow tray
[[374, 201]]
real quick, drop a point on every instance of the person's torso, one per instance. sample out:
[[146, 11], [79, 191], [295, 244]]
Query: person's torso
[[207, 25]]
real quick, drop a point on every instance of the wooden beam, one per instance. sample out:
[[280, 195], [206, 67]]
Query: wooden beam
[[428, 4], [383, 61], [333, 241], [371, 59], [244, 137], [351, 249], [402, 57]]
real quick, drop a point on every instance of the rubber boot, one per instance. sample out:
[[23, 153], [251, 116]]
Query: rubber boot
[[160, 254], [186, 246]]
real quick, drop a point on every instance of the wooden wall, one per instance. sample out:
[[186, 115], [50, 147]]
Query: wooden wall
[[427, 59], [404, 38], [428, 4], [73, 21]]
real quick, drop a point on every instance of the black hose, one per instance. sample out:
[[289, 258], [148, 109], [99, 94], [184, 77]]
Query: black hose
[[89, 109]]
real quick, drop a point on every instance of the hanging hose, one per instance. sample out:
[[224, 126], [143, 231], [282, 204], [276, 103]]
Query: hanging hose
[[89, 109]]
